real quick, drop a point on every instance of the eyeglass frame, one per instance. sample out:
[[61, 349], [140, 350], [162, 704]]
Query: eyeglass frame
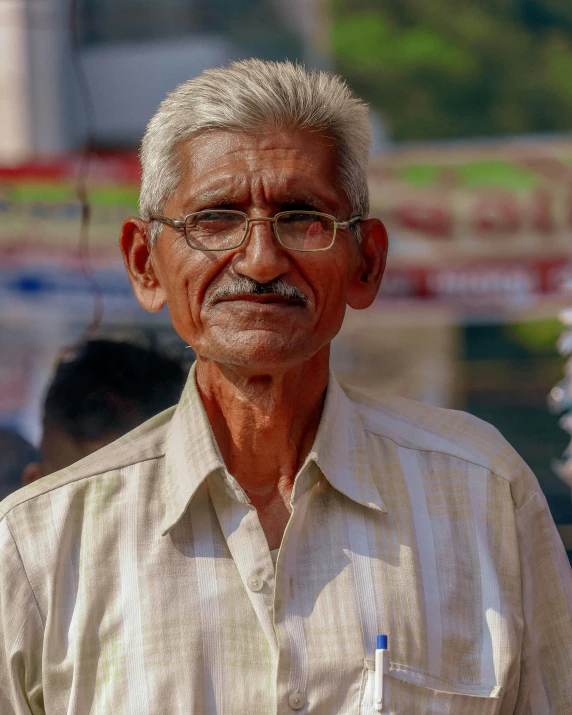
[[181, 224]]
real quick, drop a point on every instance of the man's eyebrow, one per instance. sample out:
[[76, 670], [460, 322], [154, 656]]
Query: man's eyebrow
[[302, 199], [206, 199], [221, 197]]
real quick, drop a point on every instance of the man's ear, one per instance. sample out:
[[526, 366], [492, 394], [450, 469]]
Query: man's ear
[[365, 282], [136, 252]]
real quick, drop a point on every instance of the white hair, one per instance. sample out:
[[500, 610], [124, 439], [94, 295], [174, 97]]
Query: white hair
[[253, 95]]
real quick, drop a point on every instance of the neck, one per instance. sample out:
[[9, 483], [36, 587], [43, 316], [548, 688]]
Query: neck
[[264, 422]]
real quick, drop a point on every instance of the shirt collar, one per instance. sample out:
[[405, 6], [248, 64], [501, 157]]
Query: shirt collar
[[340, 451], [192, 453]]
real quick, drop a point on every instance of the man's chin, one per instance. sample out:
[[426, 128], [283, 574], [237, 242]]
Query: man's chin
[[265, 356]]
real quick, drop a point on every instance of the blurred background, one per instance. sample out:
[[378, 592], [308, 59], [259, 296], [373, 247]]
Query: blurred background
[[471, 169]]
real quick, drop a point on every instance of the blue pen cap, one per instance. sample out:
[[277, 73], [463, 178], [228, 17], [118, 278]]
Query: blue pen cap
[[381, 642]]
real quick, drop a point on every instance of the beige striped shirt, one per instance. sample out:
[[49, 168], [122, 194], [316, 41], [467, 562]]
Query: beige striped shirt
[[139, 581]]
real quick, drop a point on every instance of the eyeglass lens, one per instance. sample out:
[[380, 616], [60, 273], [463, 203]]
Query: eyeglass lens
[[219, 230]]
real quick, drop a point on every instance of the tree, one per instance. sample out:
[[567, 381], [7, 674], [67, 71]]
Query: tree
[[458, 68]]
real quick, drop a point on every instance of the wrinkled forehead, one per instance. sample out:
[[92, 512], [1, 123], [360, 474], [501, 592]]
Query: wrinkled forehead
[[275, 164]]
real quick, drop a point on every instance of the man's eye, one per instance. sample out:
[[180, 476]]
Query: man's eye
[[208, 217], [214, 222], [215, 216], [305, 219], [297, 217]]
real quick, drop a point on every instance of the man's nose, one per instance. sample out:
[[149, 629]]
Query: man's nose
[[261, 256]]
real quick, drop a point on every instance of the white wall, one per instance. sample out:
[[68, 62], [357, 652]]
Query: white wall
[[14, 128], [47, 84], [128, 81]]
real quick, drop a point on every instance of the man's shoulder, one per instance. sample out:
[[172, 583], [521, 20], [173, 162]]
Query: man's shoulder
[[144, 443], [419, 426]]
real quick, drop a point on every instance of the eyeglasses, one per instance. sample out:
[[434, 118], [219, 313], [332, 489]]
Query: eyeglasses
[[214, 230]]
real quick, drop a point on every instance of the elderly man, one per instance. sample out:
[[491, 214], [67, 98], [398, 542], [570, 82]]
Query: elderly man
[[241, 553]]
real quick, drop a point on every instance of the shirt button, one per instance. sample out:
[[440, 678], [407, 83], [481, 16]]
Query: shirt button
[[297, 700], [255, 583]]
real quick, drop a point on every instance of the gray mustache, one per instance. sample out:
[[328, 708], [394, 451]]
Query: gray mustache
[[245, 286]]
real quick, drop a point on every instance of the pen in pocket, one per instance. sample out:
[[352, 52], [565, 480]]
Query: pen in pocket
[[381, 666]]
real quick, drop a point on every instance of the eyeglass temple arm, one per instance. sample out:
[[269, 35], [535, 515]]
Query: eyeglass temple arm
[[349, 222], [171, 221]]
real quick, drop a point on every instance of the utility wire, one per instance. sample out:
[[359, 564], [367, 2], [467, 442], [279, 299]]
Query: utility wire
[[83, 172]]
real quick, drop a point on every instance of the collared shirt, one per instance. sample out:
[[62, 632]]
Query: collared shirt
[[139, 581]]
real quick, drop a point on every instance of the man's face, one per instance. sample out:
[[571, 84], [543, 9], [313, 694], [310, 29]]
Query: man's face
[[260, 175]]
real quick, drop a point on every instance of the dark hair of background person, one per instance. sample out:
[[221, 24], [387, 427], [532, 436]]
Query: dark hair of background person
[[15, 454], [99, 392], [110, 387]]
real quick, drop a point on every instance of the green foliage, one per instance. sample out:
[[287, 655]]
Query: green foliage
[[454, 68], [538, 336]]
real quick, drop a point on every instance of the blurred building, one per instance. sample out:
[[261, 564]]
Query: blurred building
[[67, 67]]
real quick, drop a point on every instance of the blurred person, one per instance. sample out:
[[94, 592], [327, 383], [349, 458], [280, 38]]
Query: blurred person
[[15, 453], [99, 392], [241, 553]]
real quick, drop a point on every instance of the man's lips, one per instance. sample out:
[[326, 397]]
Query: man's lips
[[264, 298]]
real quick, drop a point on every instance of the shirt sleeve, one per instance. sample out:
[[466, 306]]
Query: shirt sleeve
[[546, 656], [21, 635]]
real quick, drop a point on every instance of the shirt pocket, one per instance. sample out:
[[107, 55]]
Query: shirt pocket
[[407, 691]]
